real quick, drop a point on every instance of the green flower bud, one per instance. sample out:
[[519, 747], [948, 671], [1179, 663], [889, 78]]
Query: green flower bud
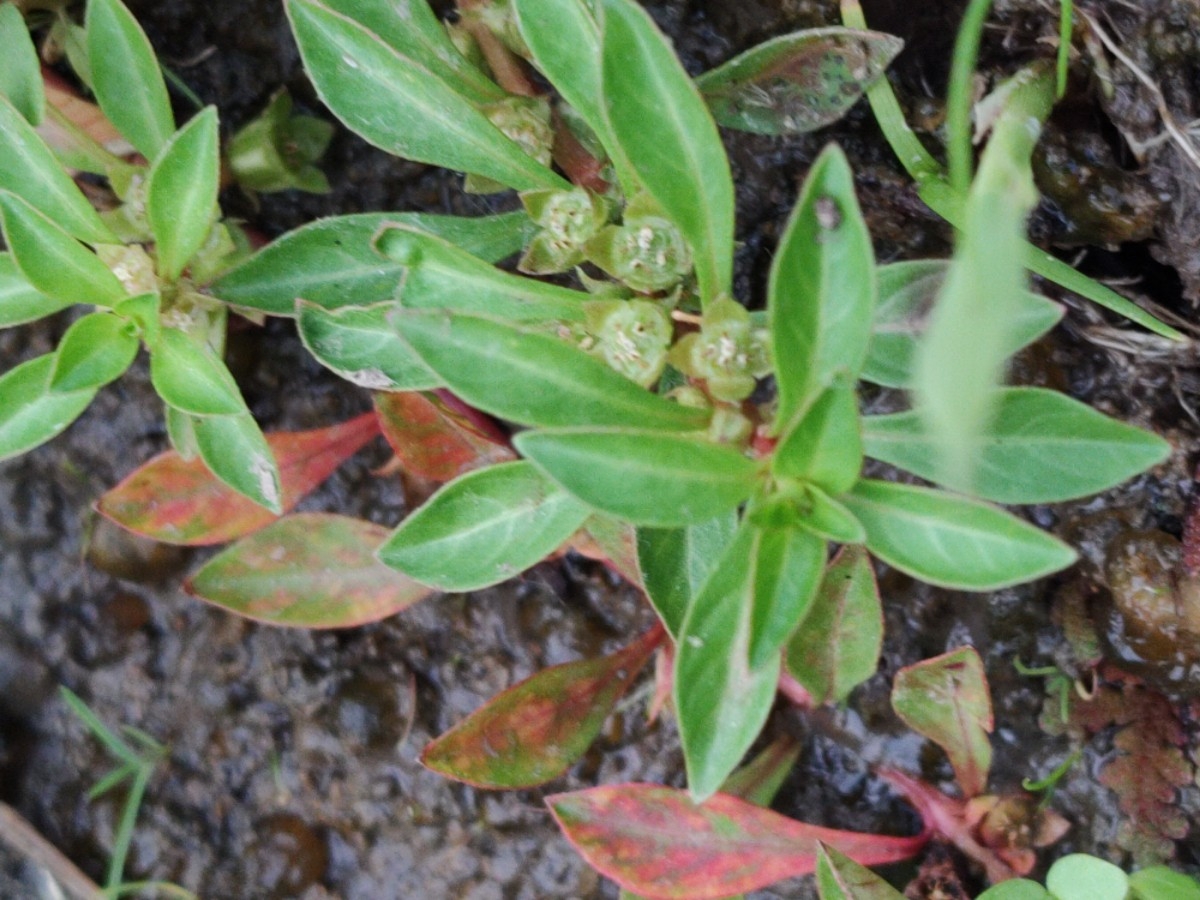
[[728, 353], [633, 337], [647, 253]]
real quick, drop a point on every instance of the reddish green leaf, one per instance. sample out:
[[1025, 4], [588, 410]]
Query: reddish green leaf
[[534, 731], [309, 570], [837, 644], [946, 699], [434, 441], [655, 841], [179, 501], [608, 539]]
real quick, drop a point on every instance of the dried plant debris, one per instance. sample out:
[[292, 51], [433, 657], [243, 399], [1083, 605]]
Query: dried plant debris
[[1149, 765]]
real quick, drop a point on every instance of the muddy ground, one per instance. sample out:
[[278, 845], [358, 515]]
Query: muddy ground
[[292, 768]]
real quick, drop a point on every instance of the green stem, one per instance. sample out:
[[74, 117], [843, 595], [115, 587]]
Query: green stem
[[1066, 24], [958, 98], [124, 836]]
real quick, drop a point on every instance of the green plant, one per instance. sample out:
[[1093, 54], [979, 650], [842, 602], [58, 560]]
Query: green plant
[[710, 452], [135, 766]]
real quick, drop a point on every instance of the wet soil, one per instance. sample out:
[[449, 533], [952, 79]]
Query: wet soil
[[292, 769]]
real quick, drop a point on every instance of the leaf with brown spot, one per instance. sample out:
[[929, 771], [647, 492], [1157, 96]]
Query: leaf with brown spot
[[534, 731], [655, 841], [180, 501], [946, 699], [308, 570], [434, 441]]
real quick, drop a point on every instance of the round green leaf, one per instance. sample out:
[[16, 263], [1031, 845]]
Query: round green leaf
[[95, 350], [1083, 877]]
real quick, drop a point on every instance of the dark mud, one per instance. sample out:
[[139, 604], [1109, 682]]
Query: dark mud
[[292, 769]]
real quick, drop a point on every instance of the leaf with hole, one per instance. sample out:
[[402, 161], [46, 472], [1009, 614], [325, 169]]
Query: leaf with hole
[[946, 699], [647, 477], [821, 290], [52, 260], [126, 77], [180, 501], [838, 643], [181, 193], [94, 351], [532, 377], [1030, 451], [952, 541], [656, 841], [484, 527], [797, 82], [333, 262], [536, 730], [400, 106], [680, 162], [308, 570], [31, 413]]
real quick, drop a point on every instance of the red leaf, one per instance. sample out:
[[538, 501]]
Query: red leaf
[[309, 570], [534, 731], [179, 501], [946, 699], [655, 841], [434, 440]]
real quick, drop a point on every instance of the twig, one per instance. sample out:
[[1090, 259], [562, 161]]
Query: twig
[[23, 839]]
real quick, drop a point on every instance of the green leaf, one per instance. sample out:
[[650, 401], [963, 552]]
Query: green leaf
[[20, 69], [53, 261], [821, 291], [837, 645], [788, 565], [962, 355], [828, 518], [234, 449], [534, 378], [720, 699], [679, 160], [20, 301], [946, 700], [759, 780], [29, 169], [143, 311], [1040, 447], [361, 345], [333, 263], [841, 878], [798, 82], [181, 193], [675, 563], [400, 106], [309, 570], [1161, 883], [951, 541], [95, 350], [441, 276], [1082, 877], [413, 31], [647, 477], [535, 730], [906, 295], [30, 413], [565, 41], [825, 446], [126, 77], [192, 378], [1016, 889], [483, 528]]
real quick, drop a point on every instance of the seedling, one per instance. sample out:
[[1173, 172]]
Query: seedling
[[136, 758]]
